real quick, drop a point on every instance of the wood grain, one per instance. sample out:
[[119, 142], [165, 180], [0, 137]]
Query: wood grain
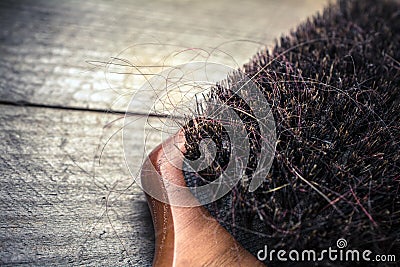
[[59, 206], [46, 46]]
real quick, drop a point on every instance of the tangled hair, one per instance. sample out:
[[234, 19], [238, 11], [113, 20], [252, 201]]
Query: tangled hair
[[333, 87]]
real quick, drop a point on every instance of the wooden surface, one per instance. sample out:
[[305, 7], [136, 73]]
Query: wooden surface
[[46, 46], [59, 205]]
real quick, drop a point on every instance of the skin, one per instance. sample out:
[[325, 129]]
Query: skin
[[186, 236]]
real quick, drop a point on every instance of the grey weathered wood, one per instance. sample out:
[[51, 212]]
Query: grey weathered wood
[[58, 205], [45, 45]]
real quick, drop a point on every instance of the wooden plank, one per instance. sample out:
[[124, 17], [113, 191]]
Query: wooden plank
[[59, 206], [45, 45]]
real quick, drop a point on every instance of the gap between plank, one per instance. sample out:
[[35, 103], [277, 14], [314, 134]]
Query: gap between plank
[[95, 110]]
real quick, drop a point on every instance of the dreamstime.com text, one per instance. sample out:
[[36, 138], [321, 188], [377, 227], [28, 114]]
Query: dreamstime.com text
[[339, 253]]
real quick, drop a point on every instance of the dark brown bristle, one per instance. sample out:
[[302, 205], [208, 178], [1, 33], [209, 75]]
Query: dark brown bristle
[[333, 88]]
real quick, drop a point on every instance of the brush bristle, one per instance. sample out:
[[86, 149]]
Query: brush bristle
[[333, 88]]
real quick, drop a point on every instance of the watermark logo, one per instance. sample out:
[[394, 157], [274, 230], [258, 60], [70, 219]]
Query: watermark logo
[[338, 253], [181, 94], [341, 243]]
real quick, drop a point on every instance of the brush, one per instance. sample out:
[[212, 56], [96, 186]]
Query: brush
[[333, 88]]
